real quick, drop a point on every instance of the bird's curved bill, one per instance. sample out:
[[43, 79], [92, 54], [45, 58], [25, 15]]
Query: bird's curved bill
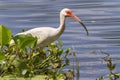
[[84, 27], [77, 19]]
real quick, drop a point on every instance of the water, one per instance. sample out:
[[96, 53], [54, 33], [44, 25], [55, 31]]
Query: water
[[101, 17]]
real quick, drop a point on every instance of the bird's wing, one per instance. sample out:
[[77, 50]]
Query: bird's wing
[[43, 34]]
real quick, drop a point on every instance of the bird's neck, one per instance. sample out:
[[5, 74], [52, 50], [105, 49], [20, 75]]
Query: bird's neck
[[61, 27]]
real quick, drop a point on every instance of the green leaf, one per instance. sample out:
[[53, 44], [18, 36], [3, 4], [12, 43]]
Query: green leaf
[[24, 71], [37, 77], [60, 43], [2, 56], [68, 51], [25, 40], [60, 51], [113, 66], [5, 35], [52, 45]]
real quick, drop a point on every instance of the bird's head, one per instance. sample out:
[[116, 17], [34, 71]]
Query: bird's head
[[68, 13]]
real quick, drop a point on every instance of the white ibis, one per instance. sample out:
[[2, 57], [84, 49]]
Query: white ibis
[[47, 35]]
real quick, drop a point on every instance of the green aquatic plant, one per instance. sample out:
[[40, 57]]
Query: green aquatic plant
[[111, 67], [25, 60], [5, 35]]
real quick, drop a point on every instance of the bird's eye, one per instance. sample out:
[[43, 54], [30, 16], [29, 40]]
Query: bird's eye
[[68, 12]]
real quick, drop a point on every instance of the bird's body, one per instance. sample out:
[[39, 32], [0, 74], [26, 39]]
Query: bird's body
[[47, 35]]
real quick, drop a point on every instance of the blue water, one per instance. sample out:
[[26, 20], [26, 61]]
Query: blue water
[[101, 17]]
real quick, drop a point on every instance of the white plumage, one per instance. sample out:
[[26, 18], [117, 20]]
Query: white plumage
[[47, 35]]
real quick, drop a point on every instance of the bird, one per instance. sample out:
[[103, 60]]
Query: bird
[[47, 35]]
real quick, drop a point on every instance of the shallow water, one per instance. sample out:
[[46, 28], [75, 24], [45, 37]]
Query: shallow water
[[101, 17]]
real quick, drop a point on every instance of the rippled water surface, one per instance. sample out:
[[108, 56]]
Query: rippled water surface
[[101, 17]]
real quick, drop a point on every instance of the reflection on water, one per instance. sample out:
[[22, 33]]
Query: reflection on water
[[102, 18]]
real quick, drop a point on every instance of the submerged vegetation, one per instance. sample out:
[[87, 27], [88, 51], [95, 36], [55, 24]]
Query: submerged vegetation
[[23, 60]]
